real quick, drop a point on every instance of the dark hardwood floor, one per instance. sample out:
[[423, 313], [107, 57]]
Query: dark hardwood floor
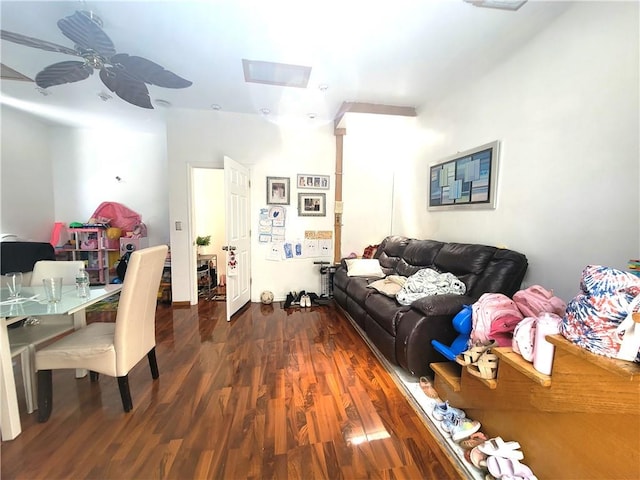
[[272, 394]]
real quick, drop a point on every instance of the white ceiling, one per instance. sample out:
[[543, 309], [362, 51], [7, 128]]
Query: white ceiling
[[401, 52]]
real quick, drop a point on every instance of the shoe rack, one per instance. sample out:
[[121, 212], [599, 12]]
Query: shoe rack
[[581, 421]]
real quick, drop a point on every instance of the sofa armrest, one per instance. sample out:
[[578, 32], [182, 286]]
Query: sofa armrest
[[437, 305]]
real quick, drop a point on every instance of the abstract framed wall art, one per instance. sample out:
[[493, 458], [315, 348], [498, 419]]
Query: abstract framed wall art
[[465, 180]]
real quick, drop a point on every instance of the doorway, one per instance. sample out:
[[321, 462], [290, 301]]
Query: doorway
[[209, 221]]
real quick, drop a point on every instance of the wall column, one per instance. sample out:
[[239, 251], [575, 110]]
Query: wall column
[[337, 244]]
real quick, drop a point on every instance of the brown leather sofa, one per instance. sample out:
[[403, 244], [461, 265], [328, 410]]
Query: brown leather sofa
[[403, 333]]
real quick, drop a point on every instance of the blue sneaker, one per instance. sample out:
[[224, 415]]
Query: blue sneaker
[[443, 410]]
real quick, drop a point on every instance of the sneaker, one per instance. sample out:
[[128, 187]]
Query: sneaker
[[443, 410], [289, 300], [460, 428]]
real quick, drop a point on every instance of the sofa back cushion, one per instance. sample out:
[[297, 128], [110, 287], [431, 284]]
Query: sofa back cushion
[[418, 254], [465, 261], [390, 251]]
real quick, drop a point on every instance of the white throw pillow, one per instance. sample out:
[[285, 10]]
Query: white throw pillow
[[364, 267]]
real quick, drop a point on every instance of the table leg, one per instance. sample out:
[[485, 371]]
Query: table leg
[[9, 413], [79, 321]]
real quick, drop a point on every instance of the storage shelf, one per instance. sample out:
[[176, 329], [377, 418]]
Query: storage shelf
[[96, 259], [449, 372], [507, 355]]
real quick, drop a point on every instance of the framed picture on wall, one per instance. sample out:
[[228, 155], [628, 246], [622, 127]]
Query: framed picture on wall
[[312, 204], [466, 180], [278, 191], [316, 182]]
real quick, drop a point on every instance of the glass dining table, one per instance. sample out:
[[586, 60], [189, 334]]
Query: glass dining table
[[33, 303]]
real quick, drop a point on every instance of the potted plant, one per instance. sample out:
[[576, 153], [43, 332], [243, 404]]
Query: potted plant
[[203, 242]]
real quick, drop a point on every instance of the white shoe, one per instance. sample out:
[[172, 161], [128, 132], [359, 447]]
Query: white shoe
[[306, 301]]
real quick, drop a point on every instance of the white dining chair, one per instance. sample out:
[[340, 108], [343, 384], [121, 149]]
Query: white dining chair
[[53, 268], [26, 353], [24, 340], [111, 348]]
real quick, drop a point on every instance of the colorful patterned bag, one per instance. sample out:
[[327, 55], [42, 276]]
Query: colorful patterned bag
[[600, 318]]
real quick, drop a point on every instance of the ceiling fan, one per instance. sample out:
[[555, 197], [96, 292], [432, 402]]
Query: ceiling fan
[[123, 74]]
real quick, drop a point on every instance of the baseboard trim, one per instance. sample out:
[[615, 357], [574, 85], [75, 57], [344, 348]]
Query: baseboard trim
[[180, 304]]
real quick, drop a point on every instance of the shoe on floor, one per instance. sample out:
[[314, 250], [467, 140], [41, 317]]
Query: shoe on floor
[[289, 300], [427, 388], [443, 410], [461, 428], [473, 440]]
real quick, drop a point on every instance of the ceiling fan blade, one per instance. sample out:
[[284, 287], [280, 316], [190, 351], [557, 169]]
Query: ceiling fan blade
[[35, 43], [128, 88], [63, 72], [86, 34], [149, 72]]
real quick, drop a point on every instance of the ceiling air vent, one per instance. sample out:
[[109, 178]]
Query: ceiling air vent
[[499, 4], [271, 73]]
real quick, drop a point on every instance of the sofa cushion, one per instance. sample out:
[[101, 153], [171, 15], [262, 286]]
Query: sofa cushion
[[390, 252], [357, 289], [419, 254], [385, 311]]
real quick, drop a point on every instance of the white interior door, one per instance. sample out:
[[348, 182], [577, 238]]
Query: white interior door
[[238, 241]]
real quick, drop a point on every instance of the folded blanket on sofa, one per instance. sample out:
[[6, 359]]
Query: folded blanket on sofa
[[427, 282], [389, 286]]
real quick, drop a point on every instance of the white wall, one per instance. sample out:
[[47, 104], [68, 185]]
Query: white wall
[[377, 150], [87, 162], [565, 108], [26, 168], [202, 138]]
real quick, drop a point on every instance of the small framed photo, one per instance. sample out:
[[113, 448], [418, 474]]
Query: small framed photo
[[312, 204], [317, 182], [278, 191]]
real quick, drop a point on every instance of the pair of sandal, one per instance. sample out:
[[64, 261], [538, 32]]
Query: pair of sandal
[[509, 469], [501, 459], [480, 360]]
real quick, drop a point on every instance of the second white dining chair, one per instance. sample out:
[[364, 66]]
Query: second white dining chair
[[27, 357], [51, 268], [23, 340]]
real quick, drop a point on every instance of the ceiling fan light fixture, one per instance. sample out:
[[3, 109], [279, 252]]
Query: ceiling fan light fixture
[[162, 103], [216, 107], [265, 111], [511, 5]]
